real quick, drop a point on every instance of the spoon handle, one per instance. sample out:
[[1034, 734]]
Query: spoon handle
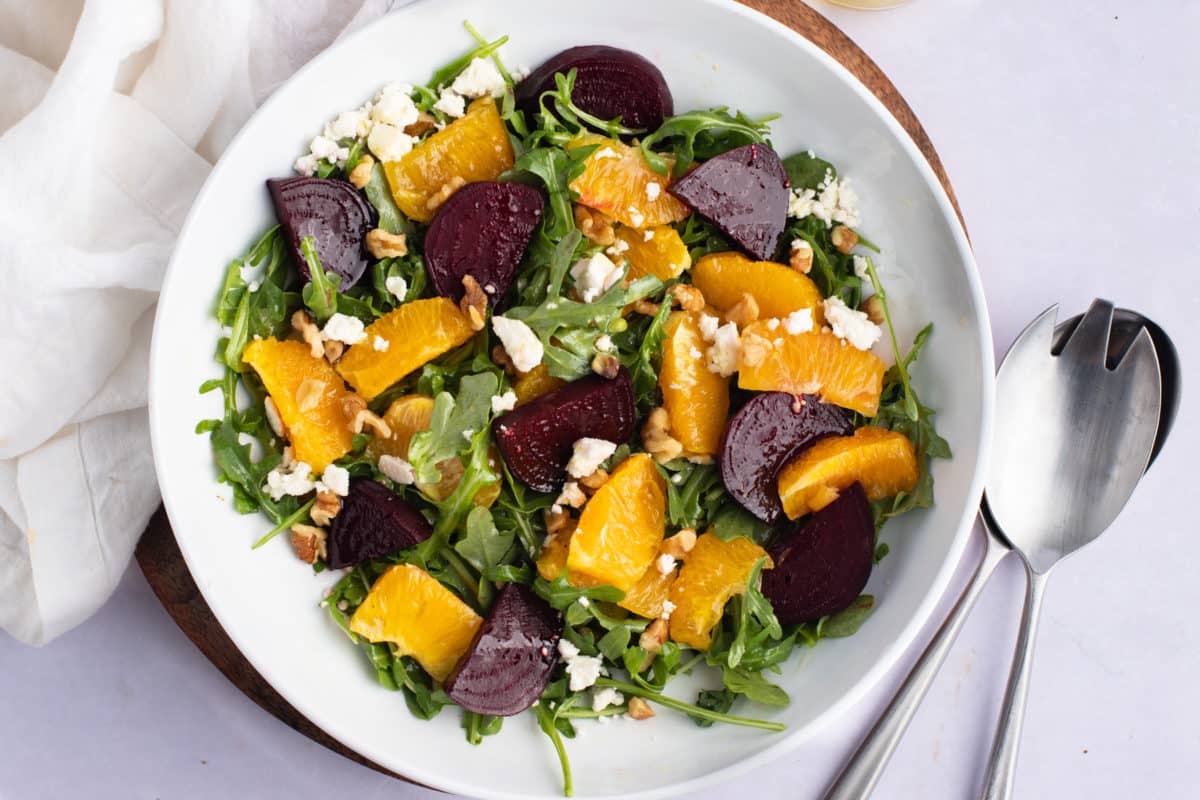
[[858, 778], [1002, 765]]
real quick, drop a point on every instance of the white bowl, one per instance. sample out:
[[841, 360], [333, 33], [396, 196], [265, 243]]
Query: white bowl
[[712, 53]]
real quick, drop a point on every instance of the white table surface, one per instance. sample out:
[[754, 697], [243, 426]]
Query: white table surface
[[1070, 130]]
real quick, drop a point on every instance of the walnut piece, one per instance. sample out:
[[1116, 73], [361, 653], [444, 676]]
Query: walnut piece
[[594, 481], [690, 298], [474, 303], [652, 639], [557, 521], [594, 225], [644, 307], [754, 350], [656, 437], [801, 256], [382, 244], [500, 357], [679, 545], [843, 238], [309, 543], [873, 308], [639, 709], [359, 417], [443, 194], [303, 324], [273, 419], [425, 123], [606, 365], [744, 311], [325, 508], [360, 176]]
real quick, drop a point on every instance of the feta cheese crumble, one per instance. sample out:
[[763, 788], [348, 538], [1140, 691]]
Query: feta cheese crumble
[[388, 142], [349, 125], [594, 276], [799, 321], [480, 78], [604, 343], [606, 152], [851, 324], [504, 402], [305, 165], [860, 268], [617, 248], [653, 190], [397, 469], [665, 563], [635, 216], [397, 287], [336, 480], [395, 108], [606, 696], [708, 326], [583, 670], [451, 104], [344, 328], [648, 235], [571, 495], [667, 609], [723, 355], [295, 480], [833, 201], [588, 455], [520, 342], [381, 344]]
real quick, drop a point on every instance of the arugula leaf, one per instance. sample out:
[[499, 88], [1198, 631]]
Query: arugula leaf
[[731, 521], [560, 594], [694, 492], [754, 687], [702, 134], [555, 168], [452, 418], [806, 171], [643, 366], [576, 117], [847, 621], [320, 293], [379, 194], [719, 700], [450, 71], [483, 546], [260, 312], [478, 726]]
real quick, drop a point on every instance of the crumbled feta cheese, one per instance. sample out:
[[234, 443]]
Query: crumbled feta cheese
[[723, 355], [467, 434], [451, 104], [349, 125], [799, 321], [653, 190], [665, 563], [606, 152], [397, 469], [833, 201], [294, 481], [322, 147], [396, 109], [647, 234], [635, 216], [677, 478], [396, 286], [479, 78], [381, 344], [851, 324], [708, 326], [583, 670], [604, 343], [504, 402], [344, 328], [860, 268], [606, 696], [554, 509], [667, 609], [594, 276], [305, 165], [336, 480], [388, 142], [571, 495], [520, 342], [588, 455], [617, 247], [772, 324], [584, 602]]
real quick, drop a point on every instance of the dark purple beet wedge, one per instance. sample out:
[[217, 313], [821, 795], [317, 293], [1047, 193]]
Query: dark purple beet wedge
[[373, 522], [537, 439], [744, 192], [334, 213], [483, 231], [508, 665], [609, 83], [767, 432], [822, 565]]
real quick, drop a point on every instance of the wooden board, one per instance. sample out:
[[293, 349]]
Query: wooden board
[[159, 557]]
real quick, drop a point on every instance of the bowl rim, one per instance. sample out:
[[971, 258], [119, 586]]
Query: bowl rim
[[904, 638]]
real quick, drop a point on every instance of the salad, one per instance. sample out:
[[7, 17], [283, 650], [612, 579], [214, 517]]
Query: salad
[[574, 392]]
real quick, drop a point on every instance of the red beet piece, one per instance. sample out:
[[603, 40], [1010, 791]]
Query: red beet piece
[[744, 192], [373, 522], [765, 434], [537, 439], [823, 565], [609, 83], [483, 231], [509, 664], [335, 214]]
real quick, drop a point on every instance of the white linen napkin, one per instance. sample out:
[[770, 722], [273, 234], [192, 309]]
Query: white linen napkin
[[110, 118]]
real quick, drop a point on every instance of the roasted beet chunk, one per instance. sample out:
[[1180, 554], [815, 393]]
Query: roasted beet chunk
[[744, 192], [537, 439], [483, 231], [373, 522], [767, 432], [334, 213], [822, 565], [508, 665], [609, 83]]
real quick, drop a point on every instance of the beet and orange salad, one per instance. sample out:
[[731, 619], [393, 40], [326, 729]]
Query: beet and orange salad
[[577, 393]]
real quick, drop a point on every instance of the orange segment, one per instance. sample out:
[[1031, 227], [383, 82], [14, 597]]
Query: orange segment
[[416, 333], [535, 383], [883, 461], [779, 290], [662, 255], [696, 399], [647, 596], [621, 525], [714, 572], [308, 394], [406, 416], [816, 362], [408, 607], [615, 179], [474, 148]]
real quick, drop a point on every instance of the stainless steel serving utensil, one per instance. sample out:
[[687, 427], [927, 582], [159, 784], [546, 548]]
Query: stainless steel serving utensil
[[863, 770]]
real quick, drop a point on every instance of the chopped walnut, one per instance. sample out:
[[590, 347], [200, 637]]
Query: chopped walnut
[[273, 419], [679, 545], [557, 521], [474, 303], [443, 194], [690, 298], [657, 439], [644, 307], [594, 481], [801, 256], [325, 508], [754, 350], [843, 238], [606, 365], [571, 495], [360, 176], [334, 350], [594, 225], [425, 123], [639, 709], [309, 393], [500, 357], [303, 324], [744, 311], [873, 308], [360, 417], [652, 639], [382, 244], [309, 543]]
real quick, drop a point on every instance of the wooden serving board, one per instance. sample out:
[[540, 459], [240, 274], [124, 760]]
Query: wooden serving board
[[163, 565]]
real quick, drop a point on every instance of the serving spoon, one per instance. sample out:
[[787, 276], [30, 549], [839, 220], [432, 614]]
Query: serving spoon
[[1038, 344]]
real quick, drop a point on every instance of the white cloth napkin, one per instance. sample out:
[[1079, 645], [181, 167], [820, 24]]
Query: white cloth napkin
[[111, 114]]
